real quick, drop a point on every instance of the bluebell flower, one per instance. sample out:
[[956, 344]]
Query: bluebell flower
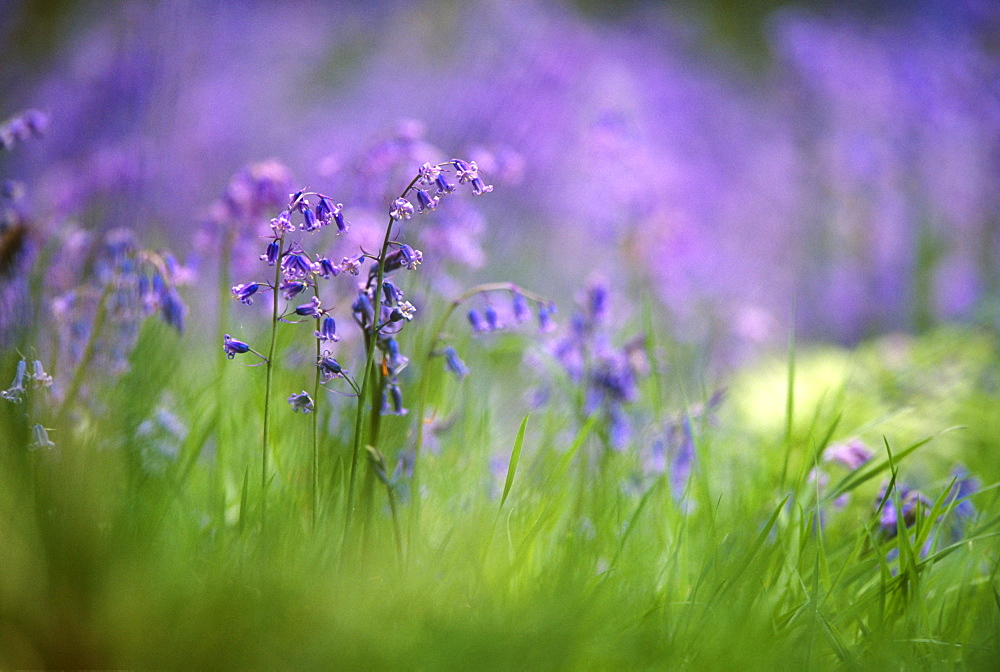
[[282, 224], [309, 309], [545, 323], [401, 209], [520, 307], [40, 438], [352, 265], [394, 360], [454, 364], [338, 218], [465, 171], [363, 309], [392, 294], [172, 308], [233, 347], [428, 173], [16, 389], [327, 330], [476, 320], [403, 256], [392, 401], [296, 265], [324, 211], [492, 318], [443, 185], [245, 292], [852, 454], [479, 187], [302, 402], [910, 501], [403, 311], [292, 288], [39, 378], [325, 268], [309, 220], [271, 253], [425, 201], [329, 367]]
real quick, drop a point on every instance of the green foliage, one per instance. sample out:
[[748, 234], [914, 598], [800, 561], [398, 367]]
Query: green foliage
[[583, 561]]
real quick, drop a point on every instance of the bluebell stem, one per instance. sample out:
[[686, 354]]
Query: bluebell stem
[[327, 330], [245, 292], [302, 402]]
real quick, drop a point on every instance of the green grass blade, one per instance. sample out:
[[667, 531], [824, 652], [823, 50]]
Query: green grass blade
[[512, 465]]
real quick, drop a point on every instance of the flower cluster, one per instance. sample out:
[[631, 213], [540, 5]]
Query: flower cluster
[[37, 380], [609, 375], [21, 127]]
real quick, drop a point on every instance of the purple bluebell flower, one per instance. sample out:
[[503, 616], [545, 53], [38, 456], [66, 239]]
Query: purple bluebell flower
[[403, 256], [39, 378], [477, 322], [352, 265], [16, 389], [310, 222], [479, 187], [296, 264], [338, 218], [282, 224], [425, 201], [292, 288], [245, 292], [545, 323], [233, 347], [401, 209], [520, 307], [444, 187], [302, 402], [454, 363], [392, 401], [403, 311], [363, 310], [329, 367], [465, 171], [910, 502], [492, 318], [394, 360], [852, 454], [327, 330], [309, 309], [324, 211], [391, 293], [40, 438], [428, 173], [271, 253], [325, 268], [172, 308]]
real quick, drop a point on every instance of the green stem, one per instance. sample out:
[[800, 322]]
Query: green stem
[[371, 337], [269, 367], [221, 415], [88, 354], [437, 335], [315, 434]]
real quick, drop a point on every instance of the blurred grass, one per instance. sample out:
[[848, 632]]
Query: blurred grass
[[107, 563]]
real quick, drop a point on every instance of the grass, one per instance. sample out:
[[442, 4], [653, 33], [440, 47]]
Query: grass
[[119, 553]]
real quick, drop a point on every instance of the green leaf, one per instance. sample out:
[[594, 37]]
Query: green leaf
[[514, 457]]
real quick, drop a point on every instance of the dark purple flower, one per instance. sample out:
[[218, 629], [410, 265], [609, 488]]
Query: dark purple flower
[[363, 309], [325, 268], [443, 185], [302, 402], [492, 319], [172, 308], [909, 500], [392, 401], [233, 347], [271, 254], [296, 265], [479, 187], [545, 323], [395, 361], [329, 367], [245, 292], [309, 221], [310, 308], [338, 217], [520, 306], [403, 256], [292, 288], [392, 294], [425, 201], [351, 265], [327, 330]]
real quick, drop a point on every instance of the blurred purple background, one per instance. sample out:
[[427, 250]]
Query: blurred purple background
[[837, 158]]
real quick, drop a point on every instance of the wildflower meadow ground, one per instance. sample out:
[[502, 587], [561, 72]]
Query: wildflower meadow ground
[[500, 388]]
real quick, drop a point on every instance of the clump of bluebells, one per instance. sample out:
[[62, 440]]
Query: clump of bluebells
[[606, 376], [23, 126], [378, 304]]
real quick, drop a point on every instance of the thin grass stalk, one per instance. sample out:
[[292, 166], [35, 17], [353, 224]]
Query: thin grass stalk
[[221, 415], [88, 354]]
